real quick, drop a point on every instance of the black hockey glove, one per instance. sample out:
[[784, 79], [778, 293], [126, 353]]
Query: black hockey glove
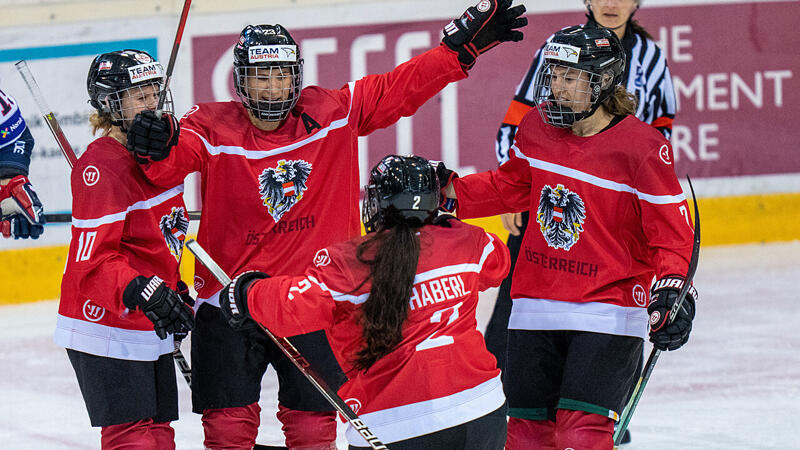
[[482, 27], [186, 297], [445, 176], [151, 138], [663, 295], [163, 306], [233, 300]]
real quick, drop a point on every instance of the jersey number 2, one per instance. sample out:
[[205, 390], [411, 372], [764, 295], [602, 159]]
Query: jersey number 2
[[438, 341]]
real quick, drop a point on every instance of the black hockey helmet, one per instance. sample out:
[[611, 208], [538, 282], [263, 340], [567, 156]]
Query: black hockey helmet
[[113, 74], [267, 52], [404, 186], [592, 54]]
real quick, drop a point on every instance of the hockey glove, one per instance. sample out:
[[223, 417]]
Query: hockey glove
[[482, 27], [163, 306], [233, 300], [186, 297], [445, 176], [151, 138], [664, 294], [21, 211], [18, 227]]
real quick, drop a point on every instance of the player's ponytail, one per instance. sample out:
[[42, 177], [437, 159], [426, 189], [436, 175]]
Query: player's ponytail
[[392, 270], [621, 102]]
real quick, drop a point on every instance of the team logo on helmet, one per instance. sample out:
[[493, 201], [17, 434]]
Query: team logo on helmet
[[283, 186], [560, 215], [174, 227]]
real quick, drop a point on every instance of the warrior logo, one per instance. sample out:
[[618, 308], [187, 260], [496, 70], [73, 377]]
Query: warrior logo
[[560, 215], [174, 227], [283, 186]]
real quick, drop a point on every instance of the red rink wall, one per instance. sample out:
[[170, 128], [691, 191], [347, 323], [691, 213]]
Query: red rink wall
[[737, 81]]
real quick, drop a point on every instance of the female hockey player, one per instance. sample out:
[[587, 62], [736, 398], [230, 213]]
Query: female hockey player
[[119, 307], [21, 212], [398, 306], [611, 216], [280, 180], [646, 75]]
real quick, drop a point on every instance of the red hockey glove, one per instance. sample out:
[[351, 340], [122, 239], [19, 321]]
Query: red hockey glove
[[482, 27], [21, 211], [664, 294], [151, 138], [233, 300]]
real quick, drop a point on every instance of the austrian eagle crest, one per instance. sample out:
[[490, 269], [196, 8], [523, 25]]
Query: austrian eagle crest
[[283, 186], [174, 227], [560, 215]]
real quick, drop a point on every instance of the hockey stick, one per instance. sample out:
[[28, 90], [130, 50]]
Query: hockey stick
[[58, 134], [162, 96], [47, 113], [291, 352], [66, 217], [625, 419]]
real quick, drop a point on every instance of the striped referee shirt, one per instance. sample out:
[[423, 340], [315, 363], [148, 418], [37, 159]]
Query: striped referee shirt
[[646, 74]]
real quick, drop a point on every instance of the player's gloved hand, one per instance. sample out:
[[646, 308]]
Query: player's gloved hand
[[233, 299], [18, 227], [482, 27], [663, 295], [151, 138], [445, 176], [163, 306], [186, 297], [21, 212]]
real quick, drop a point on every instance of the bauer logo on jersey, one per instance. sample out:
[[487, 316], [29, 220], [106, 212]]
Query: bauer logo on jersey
[[174, 227], [144, 72], [560, 215], [270, 53], [562, 52], [283, 186]]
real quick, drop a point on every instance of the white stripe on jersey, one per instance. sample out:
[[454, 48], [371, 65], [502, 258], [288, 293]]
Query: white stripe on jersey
[[597, 317], [261, 154], [597, 181], [116, 217], [421, 277], [417, 419], [111, 342]]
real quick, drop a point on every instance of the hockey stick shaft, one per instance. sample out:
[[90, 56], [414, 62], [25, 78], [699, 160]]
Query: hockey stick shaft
[[162, 96], [291, 352], [66, 217], [47, 113], [183, 365], [627, 413]]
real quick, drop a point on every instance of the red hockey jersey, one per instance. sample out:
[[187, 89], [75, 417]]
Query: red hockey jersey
[[123, 226], [441, 374], [271, 199], [609, 216]]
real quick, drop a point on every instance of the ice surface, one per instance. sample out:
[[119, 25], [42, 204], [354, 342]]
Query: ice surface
[[736, 385]]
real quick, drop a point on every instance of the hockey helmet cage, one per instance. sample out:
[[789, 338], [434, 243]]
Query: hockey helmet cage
[[114, 74], [591, 61], [267, 71], [400, 187]]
